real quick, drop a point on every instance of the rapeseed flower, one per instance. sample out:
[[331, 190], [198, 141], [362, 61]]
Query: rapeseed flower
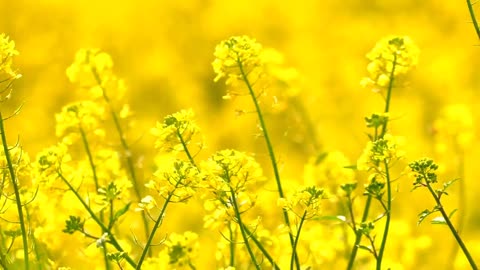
[[391, 58]]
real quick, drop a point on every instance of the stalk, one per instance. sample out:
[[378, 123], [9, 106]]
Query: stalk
[[16, 189], [271, 153]]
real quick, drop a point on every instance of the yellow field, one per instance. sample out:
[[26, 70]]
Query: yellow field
[[157, 70]]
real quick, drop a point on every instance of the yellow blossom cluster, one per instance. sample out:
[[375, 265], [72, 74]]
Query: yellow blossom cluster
[[7, 52], [177, 132], [391, 58], [384, 150]]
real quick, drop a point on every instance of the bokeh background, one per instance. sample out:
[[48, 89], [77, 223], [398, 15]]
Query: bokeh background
[[164, 50]]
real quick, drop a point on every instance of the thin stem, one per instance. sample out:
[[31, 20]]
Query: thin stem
[[90, 156], [16, 189], [451, 227], [242, 230], [185, 148], [155, 227], [474, 20], [271, 153], [388, 216], [358, 234], [95, 180], [297, 237], [38, 257], [262, 249], [232, 245], [389, 94], [126, 148], [97, 220]]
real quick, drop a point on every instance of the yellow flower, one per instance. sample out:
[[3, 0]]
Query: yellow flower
[[90, 67], [177, 131], [147, 203], [182, 249], [236, 57], [84, 114], [7, 51], [48, 163], [177, 178], [231, 169], [382, 150], [391, 58], [306, 200]]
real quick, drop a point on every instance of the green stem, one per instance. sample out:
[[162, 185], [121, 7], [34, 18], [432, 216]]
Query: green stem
[[271, 153], [155, 227], [358, 234], [389, 94], [232, 245], [95, 179], [262, 249], [185, 148], [97, 220], [297, 237], [388, 217], [474, 20], [451, 227], [242, 229], [126, 148], [38, 257], [90, 157], [16, 189]]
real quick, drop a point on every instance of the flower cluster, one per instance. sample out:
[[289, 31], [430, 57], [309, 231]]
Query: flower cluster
[[244, 61], [231, 178], [7, 52], [392, 57], [305, 203], [182, 249], [49, 163], [237, 58], [424, 171], [386, 149], [177, 132], [92, 69], [86, 115], [7, 73], [176, 180], [230, 170]]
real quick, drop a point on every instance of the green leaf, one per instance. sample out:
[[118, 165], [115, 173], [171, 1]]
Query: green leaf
[[320, 158], [13, 233], [452, 213], [117, 256], [121, 212], [424, 214], [367, 248], [332, 218], [353, 167], [439, 220]]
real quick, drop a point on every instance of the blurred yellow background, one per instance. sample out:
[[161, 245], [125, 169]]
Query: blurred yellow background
[[164, 50]]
